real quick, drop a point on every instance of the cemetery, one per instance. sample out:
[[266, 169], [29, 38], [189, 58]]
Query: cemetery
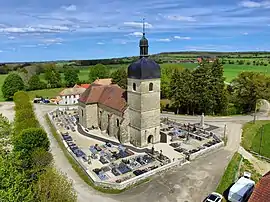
[[110, 164]]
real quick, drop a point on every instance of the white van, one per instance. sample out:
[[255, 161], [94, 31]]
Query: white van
[[241, 190]]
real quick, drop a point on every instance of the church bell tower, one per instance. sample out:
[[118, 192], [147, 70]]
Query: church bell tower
[[143, 94]]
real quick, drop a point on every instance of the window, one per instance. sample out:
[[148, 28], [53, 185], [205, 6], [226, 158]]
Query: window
[[134, 86], [66, 103], [150, 86], [117, 122], [82, 112]]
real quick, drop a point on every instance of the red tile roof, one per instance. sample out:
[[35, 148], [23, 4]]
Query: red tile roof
[[261, 192], [111, 96], [85, 85]]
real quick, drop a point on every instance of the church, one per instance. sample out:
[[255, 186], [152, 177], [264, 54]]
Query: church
[[132, 115]]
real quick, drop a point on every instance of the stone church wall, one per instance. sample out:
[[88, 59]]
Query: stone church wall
[[113, 122], [88, 115]]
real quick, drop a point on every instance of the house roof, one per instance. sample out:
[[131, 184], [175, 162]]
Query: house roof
[[85, 85], [261, 192], [107, 81], [111, 96], [72, 91]]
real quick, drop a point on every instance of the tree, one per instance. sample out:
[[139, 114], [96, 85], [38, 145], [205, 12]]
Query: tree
[[71, 77], [119, 77], [52, 76], [54, 186], [249, 87], [98, 71], [181, 90], [219, 92], [166, 76], [29, 140], [12, 84], [34, 83]]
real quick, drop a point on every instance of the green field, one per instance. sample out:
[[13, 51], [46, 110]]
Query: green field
[[262, 139], [230, 70], [251, 137], [50, 93]]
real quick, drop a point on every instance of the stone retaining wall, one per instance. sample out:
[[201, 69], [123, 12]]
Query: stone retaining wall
[[206, 150]]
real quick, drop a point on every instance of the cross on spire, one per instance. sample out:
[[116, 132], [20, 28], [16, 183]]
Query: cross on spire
[[143, 26]]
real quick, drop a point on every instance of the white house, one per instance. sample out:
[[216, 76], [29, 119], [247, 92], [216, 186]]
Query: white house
[[70, 96]]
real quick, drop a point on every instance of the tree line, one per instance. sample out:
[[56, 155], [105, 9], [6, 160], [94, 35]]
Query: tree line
[[190, 91], [202, 90], [17, 81], [27, 172]]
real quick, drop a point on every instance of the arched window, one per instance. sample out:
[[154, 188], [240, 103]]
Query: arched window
[[134, 86], [150, 86]]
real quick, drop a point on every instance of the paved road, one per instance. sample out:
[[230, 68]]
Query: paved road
[[190, 183]]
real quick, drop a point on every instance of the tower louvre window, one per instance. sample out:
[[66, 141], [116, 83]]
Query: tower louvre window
[[150, 86], [134, 87]]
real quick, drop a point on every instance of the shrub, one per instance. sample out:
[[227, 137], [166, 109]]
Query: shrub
[[31, 139]]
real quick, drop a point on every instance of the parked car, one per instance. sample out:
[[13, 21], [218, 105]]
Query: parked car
[[242, 189], [214, 197]]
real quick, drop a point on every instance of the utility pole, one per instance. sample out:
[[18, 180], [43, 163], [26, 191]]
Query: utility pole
[[225, 128], [261, 139]]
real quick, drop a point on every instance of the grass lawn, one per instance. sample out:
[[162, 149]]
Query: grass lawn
[[262, 139], [50, 93], [251, 136], [229, 175], [247, 166]]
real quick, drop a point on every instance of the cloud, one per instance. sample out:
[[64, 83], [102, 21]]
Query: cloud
[[245, 33], [138, 24], [182, 37], [100, 43], [255, 4], [11, 37], [70, 8], [164, 40], [52, 41], [181, 18], [137, 34], [36, 29], [28, 46], [1, 51]]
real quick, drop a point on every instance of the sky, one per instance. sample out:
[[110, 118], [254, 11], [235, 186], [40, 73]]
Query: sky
[[38, 30]]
